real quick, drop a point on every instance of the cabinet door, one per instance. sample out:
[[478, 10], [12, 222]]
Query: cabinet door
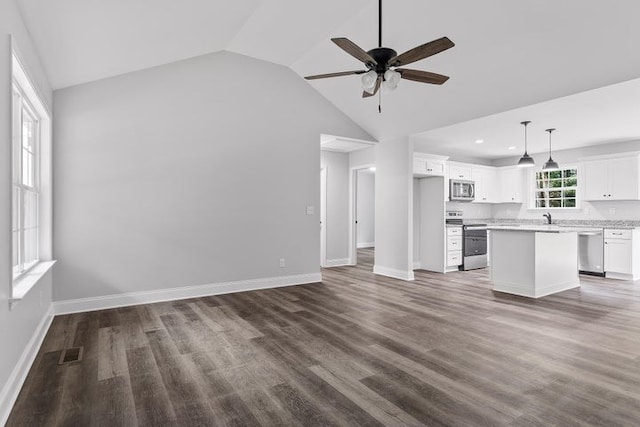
[[510, 184], [419, 166], [435, 167], [617, 256], [623, 178], [595, 180], [485, 180], [460, 172]]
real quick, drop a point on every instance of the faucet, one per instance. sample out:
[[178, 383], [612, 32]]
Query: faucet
[[548, 216]]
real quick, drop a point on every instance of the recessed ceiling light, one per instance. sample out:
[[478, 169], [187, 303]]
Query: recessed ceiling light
[[512, 148], [479, 141], [372, 168]]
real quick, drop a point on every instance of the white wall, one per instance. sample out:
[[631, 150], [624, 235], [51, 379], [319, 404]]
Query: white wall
[[365, 208], [471, 210], [362, 158], [190, 173], [20, 326], [337, 221], [394, 209]]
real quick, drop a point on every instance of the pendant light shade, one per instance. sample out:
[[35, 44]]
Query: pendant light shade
[[551, 165], [526, 161]]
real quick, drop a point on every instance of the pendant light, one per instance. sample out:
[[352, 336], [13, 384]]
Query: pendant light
[[550, 165], [526, 161]]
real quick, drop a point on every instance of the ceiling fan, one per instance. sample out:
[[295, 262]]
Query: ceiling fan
[[382, 63]]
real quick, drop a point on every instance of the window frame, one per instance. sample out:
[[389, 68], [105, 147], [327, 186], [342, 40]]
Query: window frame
[[20, 189], [533, 190]]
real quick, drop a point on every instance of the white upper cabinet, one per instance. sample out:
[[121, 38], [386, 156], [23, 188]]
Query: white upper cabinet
[[510, 180], [428, 166], [460, 171], [613, 178], [486, 179]]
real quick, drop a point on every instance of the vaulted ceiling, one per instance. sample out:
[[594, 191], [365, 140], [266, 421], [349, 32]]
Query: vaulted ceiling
[[508, 54]]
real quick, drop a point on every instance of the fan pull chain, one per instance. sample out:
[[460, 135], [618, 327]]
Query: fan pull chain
[[380, 102]]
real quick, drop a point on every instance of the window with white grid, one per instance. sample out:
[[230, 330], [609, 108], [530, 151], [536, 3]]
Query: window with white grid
[[25, 216]]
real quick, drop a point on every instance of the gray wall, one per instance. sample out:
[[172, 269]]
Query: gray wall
[[365, 208], [337, 221], [190, 173], [17, 326]]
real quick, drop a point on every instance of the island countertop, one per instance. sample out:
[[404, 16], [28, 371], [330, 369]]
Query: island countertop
[[533, 228]]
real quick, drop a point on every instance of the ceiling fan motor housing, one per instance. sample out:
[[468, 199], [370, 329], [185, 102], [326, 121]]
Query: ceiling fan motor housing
[[381, 55]]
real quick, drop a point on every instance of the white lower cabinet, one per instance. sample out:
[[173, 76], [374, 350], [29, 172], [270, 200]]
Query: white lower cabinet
[[622, 254], [454, 247]]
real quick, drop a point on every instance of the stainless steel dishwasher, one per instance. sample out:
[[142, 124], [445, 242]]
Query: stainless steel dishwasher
[[591, 251]]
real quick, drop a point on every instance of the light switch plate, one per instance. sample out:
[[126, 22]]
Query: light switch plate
[[310, 210]]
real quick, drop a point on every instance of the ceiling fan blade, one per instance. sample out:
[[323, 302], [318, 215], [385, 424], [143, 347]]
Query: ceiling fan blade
[[424, 51], [354, 50], [341, 73], [366, 94], [422, 76]]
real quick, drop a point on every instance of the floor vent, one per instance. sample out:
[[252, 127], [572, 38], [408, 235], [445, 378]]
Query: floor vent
[[71, 355]]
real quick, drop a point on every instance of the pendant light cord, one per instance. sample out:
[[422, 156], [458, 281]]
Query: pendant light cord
[[525, 123]]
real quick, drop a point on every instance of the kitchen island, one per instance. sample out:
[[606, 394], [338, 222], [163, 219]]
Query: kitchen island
[[533, 261]]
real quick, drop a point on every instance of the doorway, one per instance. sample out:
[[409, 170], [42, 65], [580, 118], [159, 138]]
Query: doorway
[[362, 242]]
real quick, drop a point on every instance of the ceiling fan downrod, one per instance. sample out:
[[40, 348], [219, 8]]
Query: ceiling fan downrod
[[379, 23]]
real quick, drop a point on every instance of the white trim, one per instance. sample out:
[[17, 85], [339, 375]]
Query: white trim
[[324, 184], [171, 294], [392, 272], [620, 276], [12, 387], [339, 262], [366, 245]]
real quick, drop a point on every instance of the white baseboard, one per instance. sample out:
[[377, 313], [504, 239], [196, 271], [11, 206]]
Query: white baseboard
[[366, 245], [339, 262], [171, 294], [392, 272], [12, 387], [620, 276]]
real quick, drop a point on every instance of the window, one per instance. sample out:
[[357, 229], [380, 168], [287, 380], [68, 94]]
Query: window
[[26, 188], [556, 189]]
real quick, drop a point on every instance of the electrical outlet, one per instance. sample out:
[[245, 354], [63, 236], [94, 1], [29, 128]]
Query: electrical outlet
[[612, 211], [310, 210], [282, 263]]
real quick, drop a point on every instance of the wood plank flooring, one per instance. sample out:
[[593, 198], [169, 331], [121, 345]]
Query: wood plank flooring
[[357, 349]]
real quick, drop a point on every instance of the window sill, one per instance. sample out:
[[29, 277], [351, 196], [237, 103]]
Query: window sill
[[554, 209], [28, 280]]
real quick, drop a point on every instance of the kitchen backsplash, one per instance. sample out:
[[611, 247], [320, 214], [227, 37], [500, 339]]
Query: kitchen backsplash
[[624, 213], [611, 211]]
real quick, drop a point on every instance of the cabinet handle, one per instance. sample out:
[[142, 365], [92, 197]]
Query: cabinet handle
[[609, 195], [429, 170]]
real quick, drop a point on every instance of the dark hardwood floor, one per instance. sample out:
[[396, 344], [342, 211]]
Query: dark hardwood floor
[[354, 350]]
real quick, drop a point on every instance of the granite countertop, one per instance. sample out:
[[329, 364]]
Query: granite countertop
[[630, 224], [533, 228], [552, 228]]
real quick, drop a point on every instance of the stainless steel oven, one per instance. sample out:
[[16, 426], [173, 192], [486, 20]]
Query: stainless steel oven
[[474, 246], [461, 191]]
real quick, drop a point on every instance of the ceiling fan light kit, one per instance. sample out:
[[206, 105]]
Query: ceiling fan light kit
[[382, 63]]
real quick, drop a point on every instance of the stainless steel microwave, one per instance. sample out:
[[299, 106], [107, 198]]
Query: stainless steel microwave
[[461, 191]]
